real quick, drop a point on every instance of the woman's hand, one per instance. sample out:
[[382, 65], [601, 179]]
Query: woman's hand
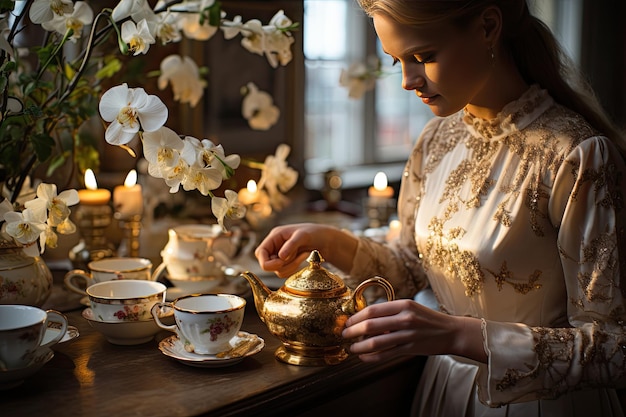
[[286, 247], [404, 327]]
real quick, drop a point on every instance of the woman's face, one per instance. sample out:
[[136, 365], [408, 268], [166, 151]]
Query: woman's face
[[446, 67]]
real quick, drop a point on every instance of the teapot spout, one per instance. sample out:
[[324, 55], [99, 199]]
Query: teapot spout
[[260, 291]]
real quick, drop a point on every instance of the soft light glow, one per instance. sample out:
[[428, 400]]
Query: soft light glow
[[128, 198], [90, 180], [93, 196], [251, 186], [131, 178], [380, 181]]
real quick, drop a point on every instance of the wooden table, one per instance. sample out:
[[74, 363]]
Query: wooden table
[[89, 376]]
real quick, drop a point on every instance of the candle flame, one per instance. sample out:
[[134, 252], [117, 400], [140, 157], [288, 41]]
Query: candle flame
[[131, 178], [90, 180], [380, 181], [251, 186]]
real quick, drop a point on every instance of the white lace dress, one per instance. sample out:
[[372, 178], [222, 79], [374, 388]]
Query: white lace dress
[[519, 221]]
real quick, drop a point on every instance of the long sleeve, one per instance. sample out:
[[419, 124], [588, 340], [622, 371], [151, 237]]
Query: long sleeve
[[586, 206]]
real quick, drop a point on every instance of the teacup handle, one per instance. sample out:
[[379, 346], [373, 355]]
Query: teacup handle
[[56, 317], [156, 275], [358, 302], [74, 274], [155, 314]]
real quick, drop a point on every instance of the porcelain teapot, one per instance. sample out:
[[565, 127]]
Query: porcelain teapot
[[199, 250], [309, 311]]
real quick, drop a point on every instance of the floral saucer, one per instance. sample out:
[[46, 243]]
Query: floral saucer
[[127, 332], [53, 330], [14, 377], [174, 348]]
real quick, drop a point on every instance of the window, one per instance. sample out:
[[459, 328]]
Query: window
[[380, 128], [344, 133]]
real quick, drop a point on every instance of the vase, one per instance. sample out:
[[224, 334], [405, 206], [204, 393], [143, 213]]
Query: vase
[[24, 279]]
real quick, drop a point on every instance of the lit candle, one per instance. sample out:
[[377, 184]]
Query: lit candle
[[394, 230], [92, 195], [250, 194], [380, 189], [128, 198]]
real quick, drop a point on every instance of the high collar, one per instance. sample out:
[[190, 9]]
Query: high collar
[[513, 117]]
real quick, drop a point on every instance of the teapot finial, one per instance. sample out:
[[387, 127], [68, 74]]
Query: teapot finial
[[315, 258]]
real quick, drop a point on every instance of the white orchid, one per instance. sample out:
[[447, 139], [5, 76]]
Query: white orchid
[[188, 162], [194, 30], [259, 109], [128, 110], [277, 176], [137, 36], [60, 81], [135, 9], [57, 206], [44, 10], [162, 149], [25, 228], [184, 75], [166, 26], [206, 154], [81, 16], [273, 40], [360, 77], [227, 207], [175, 175], [41, 218]]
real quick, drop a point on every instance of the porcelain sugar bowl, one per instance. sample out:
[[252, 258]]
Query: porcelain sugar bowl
[[309, 311]]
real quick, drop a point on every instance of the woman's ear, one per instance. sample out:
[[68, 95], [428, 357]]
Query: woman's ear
[[491, 22]]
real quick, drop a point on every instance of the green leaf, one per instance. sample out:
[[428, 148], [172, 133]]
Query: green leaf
[[7, 6], [8, 66], [42, 145], [215, 12], [56, 163], [110, 69]]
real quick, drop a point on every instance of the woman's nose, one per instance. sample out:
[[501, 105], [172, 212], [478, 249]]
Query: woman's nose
[[413, 77]]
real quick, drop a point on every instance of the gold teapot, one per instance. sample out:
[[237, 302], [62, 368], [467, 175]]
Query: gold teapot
[[309, 311]]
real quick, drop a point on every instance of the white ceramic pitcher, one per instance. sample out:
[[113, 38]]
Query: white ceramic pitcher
[[199, 250]]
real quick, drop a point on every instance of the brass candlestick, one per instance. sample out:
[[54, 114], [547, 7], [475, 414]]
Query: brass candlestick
[[379, 210], [131, 226], [92, 222]]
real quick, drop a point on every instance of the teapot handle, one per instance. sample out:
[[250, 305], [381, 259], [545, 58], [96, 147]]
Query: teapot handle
[[357, 302]]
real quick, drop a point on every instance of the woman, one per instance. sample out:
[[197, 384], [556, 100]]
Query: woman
[[512, 211]]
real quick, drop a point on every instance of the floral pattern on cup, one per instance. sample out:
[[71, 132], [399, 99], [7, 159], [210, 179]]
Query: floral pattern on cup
[[205, 323], [220, 325], [131, 313]]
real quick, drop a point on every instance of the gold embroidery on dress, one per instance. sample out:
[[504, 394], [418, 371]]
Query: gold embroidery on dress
[[506, 277], [541, 150]]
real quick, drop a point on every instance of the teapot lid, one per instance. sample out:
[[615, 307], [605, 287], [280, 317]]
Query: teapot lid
[[314, 280]]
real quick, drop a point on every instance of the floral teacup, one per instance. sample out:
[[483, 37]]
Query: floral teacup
[[125, 300], [205, 323]]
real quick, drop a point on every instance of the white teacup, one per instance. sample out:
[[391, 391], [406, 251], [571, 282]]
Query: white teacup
[[21, 332], [108, 269], [124, 300], [205, 323]]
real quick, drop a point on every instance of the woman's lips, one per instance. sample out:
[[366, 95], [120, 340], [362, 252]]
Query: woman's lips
[[429, 99]]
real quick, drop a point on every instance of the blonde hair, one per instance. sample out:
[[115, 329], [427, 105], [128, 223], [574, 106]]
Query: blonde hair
[[536, 52]]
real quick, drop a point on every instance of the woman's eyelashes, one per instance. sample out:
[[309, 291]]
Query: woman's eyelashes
[[421, 59], [424, 59]]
